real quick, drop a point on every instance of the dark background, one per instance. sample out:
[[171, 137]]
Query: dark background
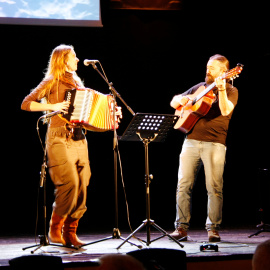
[[149, 55]]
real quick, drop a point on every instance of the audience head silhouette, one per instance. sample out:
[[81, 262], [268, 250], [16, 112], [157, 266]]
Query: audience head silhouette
[[119, 262], [261, 257]]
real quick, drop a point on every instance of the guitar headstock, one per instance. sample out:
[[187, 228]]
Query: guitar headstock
[[234, 73]]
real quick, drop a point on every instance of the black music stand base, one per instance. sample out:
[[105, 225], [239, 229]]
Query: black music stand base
[[148, 223], [147, 128]]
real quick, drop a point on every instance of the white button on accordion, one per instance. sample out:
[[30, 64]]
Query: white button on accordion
[[90, 109]]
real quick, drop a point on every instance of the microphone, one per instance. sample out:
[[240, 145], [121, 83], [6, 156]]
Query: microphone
[[88, 62], [48, 115]]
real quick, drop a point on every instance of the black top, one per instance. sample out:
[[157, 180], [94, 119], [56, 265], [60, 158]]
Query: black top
[[213, 127]]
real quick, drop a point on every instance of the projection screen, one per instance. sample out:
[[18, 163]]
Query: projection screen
[[84, 13]]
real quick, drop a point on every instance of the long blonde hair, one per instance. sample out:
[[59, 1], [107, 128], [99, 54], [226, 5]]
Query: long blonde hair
[[57, 68]]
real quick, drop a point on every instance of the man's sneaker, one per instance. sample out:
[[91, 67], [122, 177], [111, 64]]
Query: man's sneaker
[[213, 236], [179, 234]]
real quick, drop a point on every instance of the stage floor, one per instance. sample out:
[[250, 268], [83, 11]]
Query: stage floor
[[234, 242]]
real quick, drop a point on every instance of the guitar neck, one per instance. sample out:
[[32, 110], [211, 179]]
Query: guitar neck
[[231, 74], [204, 92]]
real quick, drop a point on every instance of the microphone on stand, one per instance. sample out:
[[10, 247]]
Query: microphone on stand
[[87, 62]]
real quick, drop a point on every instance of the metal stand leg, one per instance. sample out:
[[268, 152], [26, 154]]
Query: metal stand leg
[[262, 228]]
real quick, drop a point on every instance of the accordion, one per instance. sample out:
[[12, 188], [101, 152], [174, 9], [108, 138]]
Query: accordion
[[90, 109]]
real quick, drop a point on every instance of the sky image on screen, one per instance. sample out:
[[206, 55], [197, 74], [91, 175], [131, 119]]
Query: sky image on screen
[[51, 12]]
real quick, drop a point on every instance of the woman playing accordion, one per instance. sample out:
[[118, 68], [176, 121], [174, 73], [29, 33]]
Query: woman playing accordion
[[67, 150]]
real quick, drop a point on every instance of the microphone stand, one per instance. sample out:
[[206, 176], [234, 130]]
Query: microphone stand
[[116, 232], [43, 239], [112, 89]]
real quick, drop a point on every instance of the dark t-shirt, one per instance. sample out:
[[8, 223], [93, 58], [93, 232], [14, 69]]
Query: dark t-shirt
[[213, 127]]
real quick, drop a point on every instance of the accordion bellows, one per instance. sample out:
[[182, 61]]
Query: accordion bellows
[[90, 109]]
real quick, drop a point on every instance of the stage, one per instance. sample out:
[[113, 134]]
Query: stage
[[235, 249]]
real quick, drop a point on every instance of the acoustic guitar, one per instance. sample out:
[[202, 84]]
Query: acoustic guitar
[[202, 101]]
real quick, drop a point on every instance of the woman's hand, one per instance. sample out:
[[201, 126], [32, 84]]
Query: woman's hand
[[61, 106], [118, 113]]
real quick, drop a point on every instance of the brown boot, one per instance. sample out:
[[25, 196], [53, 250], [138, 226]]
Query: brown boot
[[179, 234], [55, 231], [69, 232], [213, 236]]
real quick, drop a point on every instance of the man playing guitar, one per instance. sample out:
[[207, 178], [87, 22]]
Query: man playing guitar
[[205, 144]]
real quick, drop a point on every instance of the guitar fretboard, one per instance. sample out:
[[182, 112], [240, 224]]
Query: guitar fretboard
[[204, 92]]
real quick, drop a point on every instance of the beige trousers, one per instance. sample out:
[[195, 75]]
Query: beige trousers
[[69, 169]]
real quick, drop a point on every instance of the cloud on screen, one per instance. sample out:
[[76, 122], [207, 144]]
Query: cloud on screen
[[51, 9]]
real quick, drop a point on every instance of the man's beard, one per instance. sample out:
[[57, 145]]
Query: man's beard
[[209, 79]]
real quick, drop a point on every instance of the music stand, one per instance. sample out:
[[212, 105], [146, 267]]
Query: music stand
[[148, 127]]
